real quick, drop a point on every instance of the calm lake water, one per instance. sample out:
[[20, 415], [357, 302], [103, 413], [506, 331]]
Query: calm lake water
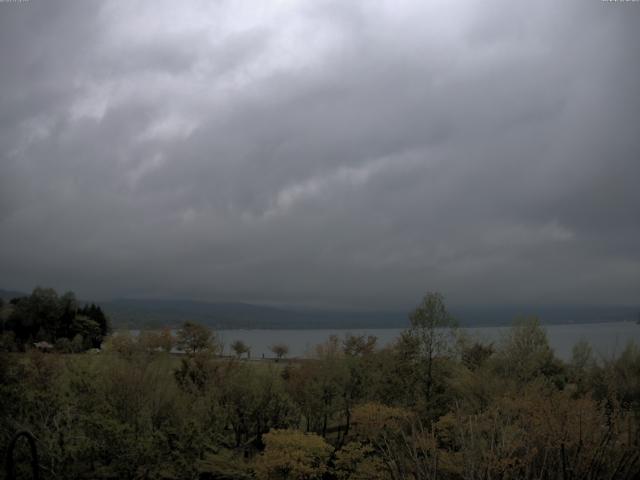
[[606, 339]]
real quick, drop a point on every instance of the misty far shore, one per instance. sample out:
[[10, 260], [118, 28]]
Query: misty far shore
[[134, 313]]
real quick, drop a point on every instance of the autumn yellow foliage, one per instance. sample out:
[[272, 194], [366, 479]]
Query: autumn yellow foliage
[[292, 455]]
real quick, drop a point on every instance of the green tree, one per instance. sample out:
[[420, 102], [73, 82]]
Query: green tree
[[63, 345], [526, 353], [44, 315], [89, 329], [240, 348], [358, 461], [123, 343], [359, 345], [280, 350], [69, 311], [193, 338], [476, 354], [433, 327], [149, 341], [166, 340], [36, 317], [77, 344], [291, 454]]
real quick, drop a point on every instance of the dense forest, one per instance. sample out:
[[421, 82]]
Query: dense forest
[[434, 405], [52, 321]]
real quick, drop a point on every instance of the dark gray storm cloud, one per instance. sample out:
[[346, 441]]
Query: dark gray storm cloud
[[331, 153]]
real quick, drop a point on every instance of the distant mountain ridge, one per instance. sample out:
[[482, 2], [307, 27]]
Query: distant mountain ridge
[[229, 315], [155, 313], [232, 315]]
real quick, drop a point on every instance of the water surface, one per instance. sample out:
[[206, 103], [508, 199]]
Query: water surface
[[606, 339]]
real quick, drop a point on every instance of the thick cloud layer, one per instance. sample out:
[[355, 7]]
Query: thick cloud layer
[[325, 152]]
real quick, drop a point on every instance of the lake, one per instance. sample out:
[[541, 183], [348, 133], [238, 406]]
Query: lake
[[606, 339]]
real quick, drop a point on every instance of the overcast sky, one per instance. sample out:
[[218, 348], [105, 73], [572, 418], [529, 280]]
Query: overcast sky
[[343, 153]]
